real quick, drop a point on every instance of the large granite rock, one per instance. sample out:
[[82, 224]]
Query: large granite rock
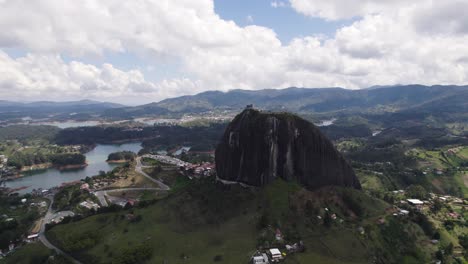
[[258, 147]]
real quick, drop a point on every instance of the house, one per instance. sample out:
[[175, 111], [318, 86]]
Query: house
[[415, 202], [90, 205], [84, 186], [296, 247], [260, 259], [404, 212], [32, 238], [275, 255], [278, 235]]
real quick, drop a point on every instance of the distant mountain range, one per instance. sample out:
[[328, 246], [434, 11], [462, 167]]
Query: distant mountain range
[[56, 107], [376, 99], [319, 100]]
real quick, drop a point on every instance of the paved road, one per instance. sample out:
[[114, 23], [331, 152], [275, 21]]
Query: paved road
[[168, 160], [44, 239], [101, 195], [233, 183], [138, 168]]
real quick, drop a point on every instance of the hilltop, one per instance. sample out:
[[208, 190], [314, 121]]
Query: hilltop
[[258, 147]]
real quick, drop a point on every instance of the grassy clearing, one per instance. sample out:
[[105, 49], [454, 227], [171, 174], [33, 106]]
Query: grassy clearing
[[372, 181], [461, 179], [131, 179]]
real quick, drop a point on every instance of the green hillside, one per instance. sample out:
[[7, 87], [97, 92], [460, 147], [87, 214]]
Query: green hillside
[[207, 222]]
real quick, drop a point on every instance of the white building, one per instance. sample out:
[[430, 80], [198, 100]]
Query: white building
[[275, 255], [415, 201], [263, 259]]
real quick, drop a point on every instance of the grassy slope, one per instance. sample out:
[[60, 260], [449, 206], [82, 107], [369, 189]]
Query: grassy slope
[[441, 159], [29, 254], [204, 220]]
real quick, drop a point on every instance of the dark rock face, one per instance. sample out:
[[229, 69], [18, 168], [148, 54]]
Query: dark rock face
[[258, 147]]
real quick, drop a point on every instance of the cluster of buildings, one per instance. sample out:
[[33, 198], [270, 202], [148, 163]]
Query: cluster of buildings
[[11, 249], [204, 169], [90, 205], [168, 160], [5, 170], [59, 216], [273, 255], [97, 184], [270, 256], [3, 161]]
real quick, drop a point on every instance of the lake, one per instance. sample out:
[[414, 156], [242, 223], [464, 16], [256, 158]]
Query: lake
[[48, 178]]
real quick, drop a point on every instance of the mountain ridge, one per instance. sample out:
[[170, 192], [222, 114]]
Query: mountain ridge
[[319, 100]]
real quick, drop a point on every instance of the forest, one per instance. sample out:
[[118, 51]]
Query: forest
[[19, 159]]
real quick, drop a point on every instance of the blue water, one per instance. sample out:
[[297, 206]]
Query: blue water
[[48, 178]]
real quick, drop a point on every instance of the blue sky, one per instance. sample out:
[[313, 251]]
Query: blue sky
[[285, 21]]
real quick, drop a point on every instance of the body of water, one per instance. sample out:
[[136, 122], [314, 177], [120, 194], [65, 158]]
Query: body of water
[[48, 178]]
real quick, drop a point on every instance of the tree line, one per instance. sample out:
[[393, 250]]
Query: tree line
[[20, 160]]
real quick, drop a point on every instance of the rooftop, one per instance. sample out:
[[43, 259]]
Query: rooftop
[[415, 201], [275, 251]]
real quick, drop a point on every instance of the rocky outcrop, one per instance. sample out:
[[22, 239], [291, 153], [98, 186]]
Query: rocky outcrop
[[258, 147]]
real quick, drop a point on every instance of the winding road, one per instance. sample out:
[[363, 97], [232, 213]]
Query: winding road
[[44, 239], [139, 169], [101, 195]]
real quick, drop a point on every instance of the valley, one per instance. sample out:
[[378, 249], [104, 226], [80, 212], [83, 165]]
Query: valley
[[162, 199]]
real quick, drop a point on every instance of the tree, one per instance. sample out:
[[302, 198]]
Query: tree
[[327, 220], [309, 208], [262, 221], [416, 191], [436, 206]]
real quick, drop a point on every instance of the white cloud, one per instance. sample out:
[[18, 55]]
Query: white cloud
[[391, 42], [40, 77], [277, 4], [346, 9]]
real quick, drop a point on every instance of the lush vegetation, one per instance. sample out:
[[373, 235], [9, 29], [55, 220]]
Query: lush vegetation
[[205, 221], [16, 218], [154, 138], [121, 155], [25, 132], [21, 159], [69, 197]]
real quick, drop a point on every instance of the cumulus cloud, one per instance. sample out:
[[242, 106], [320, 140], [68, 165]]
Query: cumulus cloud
[[390, 42], [42, 77], [346, 9]]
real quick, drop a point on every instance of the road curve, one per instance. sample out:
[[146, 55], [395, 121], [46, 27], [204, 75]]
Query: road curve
[[44, 239], [138, 168], [101, 195]]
